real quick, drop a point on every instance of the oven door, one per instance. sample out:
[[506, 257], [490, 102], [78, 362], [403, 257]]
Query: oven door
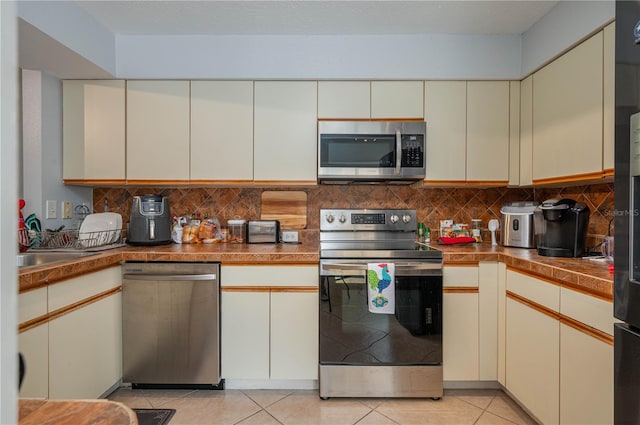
[[351, 335]]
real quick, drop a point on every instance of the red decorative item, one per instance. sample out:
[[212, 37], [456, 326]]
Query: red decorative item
[[456, 241], [23, 237]]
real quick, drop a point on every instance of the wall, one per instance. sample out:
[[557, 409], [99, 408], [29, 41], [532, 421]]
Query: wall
[[9, 89], [431, 205], [42, 150]]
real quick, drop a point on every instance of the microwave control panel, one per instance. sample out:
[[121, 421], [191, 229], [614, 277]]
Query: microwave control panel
[[412, 151]]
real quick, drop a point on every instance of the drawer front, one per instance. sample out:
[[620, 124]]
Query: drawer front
[[536, 290], [589, 310], [459, 276], [280, 275]]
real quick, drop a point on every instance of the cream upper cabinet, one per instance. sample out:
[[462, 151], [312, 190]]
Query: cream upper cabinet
[[468, 132], [514, 132], [344, 99], [525, 159], [445, 112], [93, 130], [568, 115], [285, 131], [397, 99], [157, 131], [488, 131], [222, 130], [608, 118]]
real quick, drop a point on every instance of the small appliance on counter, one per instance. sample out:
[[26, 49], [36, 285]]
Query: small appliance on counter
[[517, 224], [560, 227], [263, 231], [150, 221]]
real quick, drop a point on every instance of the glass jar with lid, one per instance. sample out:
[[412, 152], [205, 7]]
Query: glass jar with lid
[[476, 229]]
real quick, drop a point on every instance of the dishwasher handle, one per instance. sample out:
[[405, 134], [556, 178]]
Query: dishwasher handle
[[164, 277]]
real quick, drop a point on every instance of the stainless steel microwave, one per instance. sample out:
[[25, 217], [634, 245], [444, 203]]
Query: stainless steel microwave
[[371, 151]]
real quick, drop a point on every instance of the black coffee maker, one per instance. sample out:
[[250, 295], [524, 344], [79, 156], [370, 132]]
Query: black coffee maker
[[560, 227], [150, 221]]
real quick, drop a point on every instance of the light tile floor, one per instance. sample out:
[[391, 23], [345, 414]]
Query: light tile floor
[[273, 407]]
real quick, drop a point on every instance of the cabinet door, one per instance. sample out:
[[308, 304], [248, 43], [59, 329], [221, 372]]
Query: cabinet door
[[34, 346], [93, 130], [344, 99], [294, 335], [85, 350], [157, 131], [445, 112], [460, 323], [222, 130], [514, 133], [567, 114], [532, 360], [526, 132], [586, 378], [460, 336], [397, 99], [285, 137], [608, 121], [244, 334], [488, 131]]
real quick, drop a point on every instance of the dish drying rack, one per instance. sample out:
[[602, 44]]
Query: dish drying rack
[[70, 239]]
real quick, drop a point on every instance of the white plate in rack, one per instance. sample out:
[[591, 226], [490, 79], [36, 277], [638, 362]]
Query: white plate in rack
[[100, 229]]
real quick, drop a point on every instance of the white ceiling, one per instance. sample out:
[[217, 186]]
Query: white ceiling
[[316, 17]]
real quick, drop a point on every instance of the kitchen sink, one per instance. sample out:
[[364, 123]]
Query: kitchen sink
[[30, 259]]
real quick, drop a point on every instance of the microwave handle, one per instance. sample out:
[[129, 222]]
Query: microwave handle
[[398, 151]]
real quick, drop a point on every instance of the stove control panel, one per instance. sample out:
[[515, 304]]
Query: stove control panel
[[367, 219]]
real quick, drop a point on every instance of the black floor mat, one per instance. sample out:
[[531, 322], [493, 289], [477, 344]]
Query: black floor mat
[[154, 416]]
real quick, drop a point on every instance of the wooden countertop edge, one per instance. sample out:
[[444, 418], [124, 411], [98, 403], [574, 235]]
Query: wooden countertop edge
[[30, 279], [78, 412]]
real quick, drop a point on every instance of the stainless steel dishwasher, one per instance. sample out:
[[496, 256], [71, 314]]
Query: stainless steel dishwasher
[[171, 325]]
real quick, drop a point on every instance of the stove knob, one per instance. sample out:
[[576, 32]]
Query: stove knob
[[342, 218], [406, 218], [330, 218], [393, 219]]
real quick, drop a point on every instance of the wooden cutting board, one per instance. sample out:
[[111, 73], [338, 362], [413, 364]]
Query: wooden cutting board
[[287, 206]]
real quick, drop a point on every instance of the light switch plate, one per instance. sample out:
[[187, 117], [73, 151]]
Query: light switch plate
[[52, 209], [66, 209]]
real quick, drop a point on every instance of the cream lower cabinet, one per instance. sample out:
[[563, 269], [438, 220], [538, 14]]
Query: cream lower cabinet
[[532, 360], [285, 132], [245, 334], [75, 348], [460, 333], [470, 322], [85, 354], [33, 344], [586, 378], [269, 323]]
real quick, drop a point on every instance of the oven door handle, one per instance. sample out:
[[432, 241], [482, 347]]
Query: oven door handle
[[398, 151], [361, 268]]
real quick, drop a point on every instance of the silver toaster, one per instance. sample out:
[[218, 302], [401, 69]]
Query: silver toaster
[[263, 231], [517, 224]]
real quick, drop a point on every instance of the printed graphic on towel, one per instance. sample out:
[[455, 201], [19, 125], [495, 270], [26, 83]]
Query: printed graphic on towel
[[380, 277]]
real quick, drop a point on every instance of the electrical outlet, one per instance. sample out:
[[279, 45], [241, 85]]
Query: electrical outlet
[[290, 236], [66, 209], [52, 209]]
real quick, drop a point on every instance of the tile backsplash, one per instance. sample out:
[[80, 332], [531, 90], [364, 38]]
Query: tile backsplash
[[431, 205]]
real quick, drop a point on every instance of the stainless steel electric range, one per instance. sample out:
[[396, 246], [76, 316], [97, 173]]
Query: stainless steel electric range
[[373, 354]]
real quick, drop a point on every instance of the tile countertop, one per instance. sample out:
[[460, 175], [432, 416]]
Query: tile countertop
[[590, 276]]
